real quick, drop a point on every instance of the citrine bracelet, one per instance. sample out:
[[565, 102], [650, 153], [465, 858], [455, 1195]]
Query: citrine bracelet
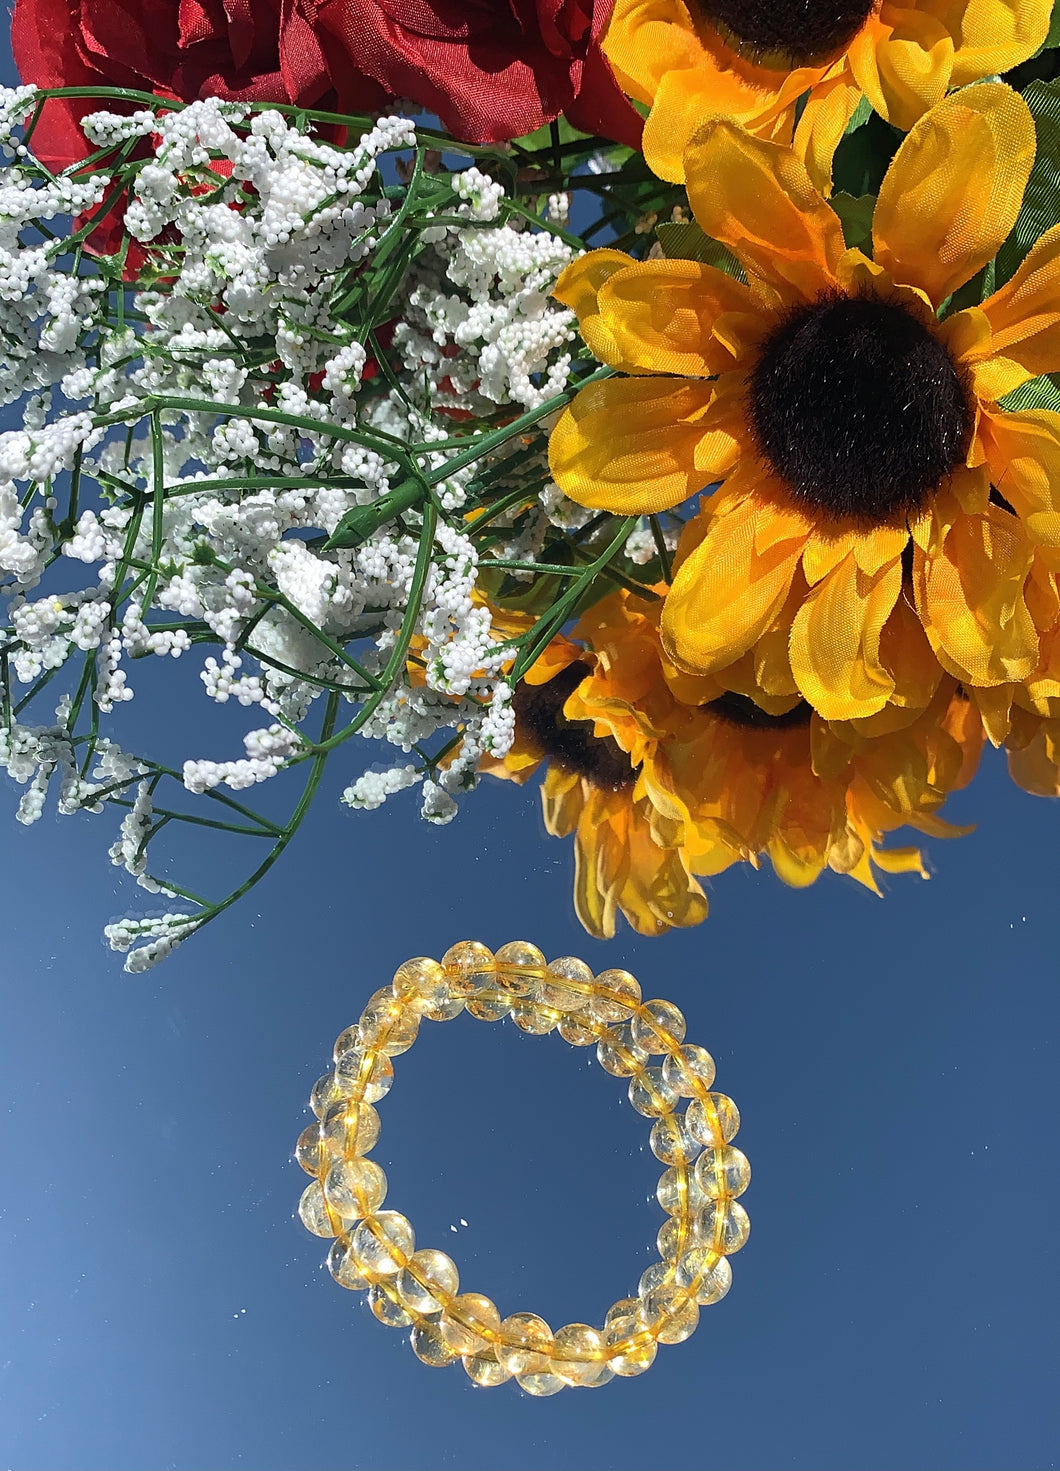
[[374, 1250]]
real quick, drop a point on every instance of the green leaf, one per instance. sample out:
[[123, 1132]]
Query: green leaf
[[982, 285], [686, 241], [1037, 393], [855, 215], [863, 154], [362, 522], [1041, 202]]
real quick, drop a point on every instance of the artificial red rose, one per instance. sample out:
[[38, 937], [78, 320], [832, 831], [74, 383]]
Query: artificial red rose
[[490, 69], [245, 50]]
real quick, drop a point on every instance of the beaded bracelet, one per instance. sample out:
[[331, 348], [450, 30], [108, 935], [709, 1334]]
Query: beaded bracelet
[[374, 1250]]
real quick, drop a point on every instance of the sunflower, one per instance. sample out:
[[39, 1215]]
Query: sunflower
[[659, 789], [751, 60], [883, 520]]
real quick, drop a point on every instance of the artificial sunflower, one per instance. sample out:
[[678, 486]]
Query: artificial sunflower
[[751, 61], [883, 520]]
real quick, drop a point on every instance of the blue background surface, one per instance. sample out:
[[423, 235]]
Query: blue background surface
[[895, 1064]]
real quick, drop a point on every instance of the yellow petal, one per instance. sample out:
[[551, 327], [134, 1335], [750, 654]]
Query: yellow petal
[[647, 38], [757, 198], [641, 445], [954, 188], [1024, 315], [579, 287], [726, 594], [970, 599], [835, 641], [1024, 454], [824, 119], [902, 61], [661, 315], [995, 35]]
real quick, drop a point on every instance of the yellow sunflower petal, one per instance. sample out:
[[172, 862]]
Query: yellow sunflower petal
[[835, 640], [971, 602], [726, 594], [954, 188], [640, 445], [661, 314], [579, 287], [907, 656], [1024, 455], [563, 795], [1024, 315], [995, 35], [824, 119], [757, 198], [645, 39], [902, 61]]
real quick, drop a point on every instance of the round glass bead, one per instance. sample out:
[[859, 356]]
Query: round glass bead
[[679, 1190], [671, 1140], [671, 1314], [576, 1032], [422, 983], [520, 966], [540, 1385], [618, 1054], [383, 1243], [469, 1322], [526, 1344], [489, 1006], [484, 1370], [713, 1119], [325, 1092], [387, 1306], [625, 1332], [311, 1151], [616, 996], [430, 1347], [530, 1016], [444, 1011], [566, 984], [470, 967], [690, 1070], [344, 1268], [676, 1235], [427, 1273], [707, 1274], [364, 1074], [313, 1209], [723, 1172], [349, 1127], [650, 1094], [723, 1225], [355, 1187], [387, 1024], [658, 1026], [578, 1356], [659, 1274]]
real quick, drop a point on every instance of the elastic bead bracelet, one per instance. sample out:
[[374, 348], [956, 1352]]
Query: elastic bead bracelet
[[374, 1250]]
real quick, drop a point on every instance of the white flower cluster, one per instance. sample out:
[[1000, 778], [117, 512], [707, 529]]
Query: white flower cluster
[[214, 432]]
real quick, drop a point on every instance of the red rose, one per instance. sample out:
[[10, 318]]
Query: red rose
[[251, 50], [490, 69]]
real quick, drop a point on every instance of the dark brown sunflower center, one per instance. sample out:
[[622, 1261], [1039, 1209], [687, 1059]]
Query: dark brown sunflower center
[[858, 408], [740, 711], [539, 716], [787, 32]]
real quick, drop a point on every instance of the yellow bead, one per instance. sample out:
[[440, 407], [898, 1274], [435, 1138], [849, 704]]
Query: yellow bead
[[567, 984], [427, 1273], [387, 1024], [344, 1268], [325, 1092], [576, 1032], [578, 1356], [530, 1016], [713, 1119], [526, 1344], [671, 1314], [676, 1235], [484, 1370], [469, 1323], [364, 1074], [311, 1151], [689, 1070], [702, 1271], [519, 966], [659, 1274], [631, 1348], [723, 1225], [470, 967], [383, 1243], [422, 983], [540, 1385], [444, 1011], [650, 1094], [349, 1127], [355, 1187], [618, 1054], [680, 1192], [616, 996], [313, 1209], [722, 1172], [489, 1006], [671, 1140], [387, 1306], [658, 1026], [430, 1347]]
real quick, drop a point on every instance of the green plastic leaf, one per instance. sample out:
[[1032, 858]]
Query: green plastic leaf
[[686, 241], [1041, 202], [855, 215], [864, 152], [1037, 393]]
